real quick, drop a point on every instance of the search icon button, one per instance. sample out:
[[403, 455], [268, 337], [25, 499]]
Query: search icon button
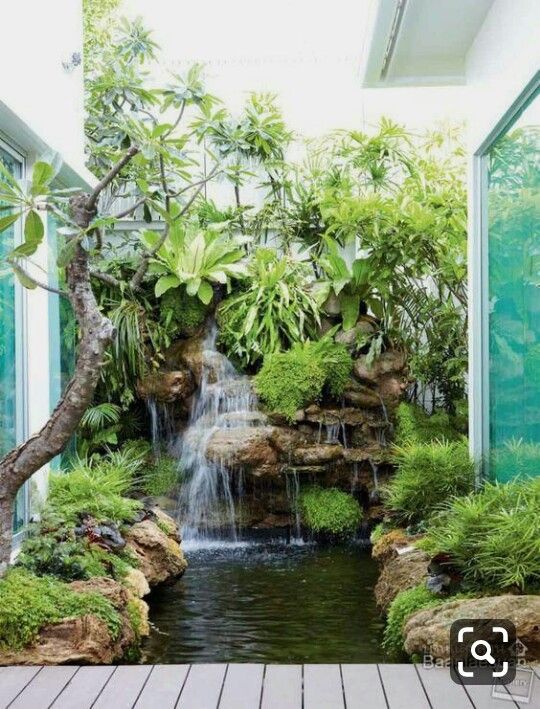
[[482, 656]]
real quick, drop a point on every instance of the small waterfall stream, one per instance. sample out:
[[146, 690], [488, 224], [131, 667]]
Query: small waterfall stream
[[224, 399]]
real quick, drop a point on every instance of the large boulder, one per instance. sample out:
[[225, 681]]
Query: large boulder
[[167, 387], [85, 640], [363, 329], [386, 376], [429, 630], [242, 447], [319, 454], [187, 353], [156, 546], [404, 571]]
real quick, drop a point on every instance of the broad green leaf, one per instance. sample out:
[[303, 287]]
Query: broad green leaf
[[350, 309], [6, 222], [42, 174], [33, 228], [165, 283], [205, 292], [23, 277], [66, 253]]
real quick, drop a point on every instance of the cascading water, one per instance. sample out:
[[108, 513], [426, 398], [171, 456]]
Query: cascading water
[[225, 399]]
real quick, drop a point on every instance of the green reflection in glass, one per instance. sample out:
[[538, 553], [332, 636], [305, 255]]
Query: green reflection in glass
[[514, 298]]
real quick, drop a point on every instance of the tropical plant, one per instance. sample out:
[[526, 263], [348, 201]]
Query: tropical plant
[[273, 311], [427, 475], [330, 511], [415, 425], [196, 259], [99, 427], [491, 537], [161, 477], [181, 314]]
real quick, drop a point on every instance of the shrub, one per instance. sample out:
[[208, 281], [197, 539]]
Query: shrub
[[28, 603], [402, 607], [427, 475], [288, 381], [414, 425], [330, 511], [161, 477], [491, 537], [182, 314], [97, 490]]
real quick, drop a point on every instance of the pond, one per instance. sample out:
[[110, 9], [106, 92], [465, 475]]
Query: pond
[[269, 603]]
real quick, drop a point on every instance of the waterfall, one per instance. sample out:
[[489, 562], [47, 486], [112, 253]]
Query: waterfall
[[292, 487], [161, 425], [225, 399]]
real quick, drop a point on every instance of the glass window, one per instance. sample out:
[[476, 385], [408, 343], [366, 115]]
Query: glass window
[[11, 418], [513, 232]]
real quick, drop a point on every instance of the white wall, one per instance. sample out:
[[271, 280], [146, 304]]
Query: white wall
[[501, 61], [37, 37]]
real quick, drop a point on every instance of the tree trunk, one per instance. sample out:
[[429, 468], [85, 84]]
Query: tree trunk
[[96, 333]]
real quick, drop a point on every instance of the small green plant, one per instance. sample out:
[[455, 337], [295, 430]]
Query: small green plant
[[330, 511], [28, 603], [491, 537], [182, 315], [427, 475], [99, 490], [162, 477], [414, 425], [402, 607], [288, 381]]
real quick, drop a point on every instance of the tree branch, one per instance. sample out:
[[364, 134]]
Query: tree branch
[[37, 284], [109, 177], [130, 210]]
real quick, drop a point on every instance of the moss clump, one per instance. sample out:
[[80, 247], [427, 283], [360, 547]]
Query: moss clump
[[330, 511], [428, 474], [492, 537], [28, 603], [414, 425], [291, 380], [402, 607], [182, 314], [161, 477]]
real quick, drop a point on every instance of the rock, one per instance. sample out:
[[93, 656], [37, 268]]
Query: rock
[[286, 439], [361, 395], [386, 376], [400, 573], [387, 546], [137, 583], [74, 641], [363, 328], [167, 387], [316, 455], [186, 353], [242, 447], [349, 416], [429, 629], [117, 594], [159, 554]]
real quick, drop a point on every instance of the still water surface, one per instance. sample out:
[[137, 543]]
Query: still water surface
[[270, 604]]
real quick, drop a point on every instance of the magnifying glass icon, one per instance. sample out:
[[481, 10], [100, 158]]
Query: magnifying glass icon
[[485, 655]]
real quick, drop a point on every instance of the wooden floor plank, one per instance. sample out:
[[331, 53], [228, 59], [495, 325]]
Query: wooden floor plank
[[124, 687], [322, 687], [242, 687], [481, 698], [442, 691], [362, 687], [13, 680], [83, 688], [44, 688], [163, 687], [282, 687], [402, 687], [202, 687]]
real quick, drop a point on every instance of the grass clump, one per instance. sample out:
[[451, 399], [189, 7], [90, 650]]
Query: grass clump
[[28, 603], [161, 477], [414, 425], [491, 537], [330, 511], [427, 475], [98, 490], [402, 607], [291, 380]]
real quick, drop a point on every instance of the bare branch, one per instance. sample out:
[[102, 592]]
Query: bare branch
[[105, 278], [130, 210], [38, 284], [215, 170], [109, 177]]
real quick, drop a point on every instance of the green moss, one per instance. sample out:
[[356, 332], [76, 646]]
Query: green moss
[[414, 425], [181, 314], [330, 511], [291, 380], [288, 381], [403, 606], [427, 475], [492, 537], [161, 478], [28, 603]]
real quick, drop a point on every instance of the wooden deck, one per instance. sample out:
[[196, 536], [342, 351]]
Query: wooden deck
[[240, 687]]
